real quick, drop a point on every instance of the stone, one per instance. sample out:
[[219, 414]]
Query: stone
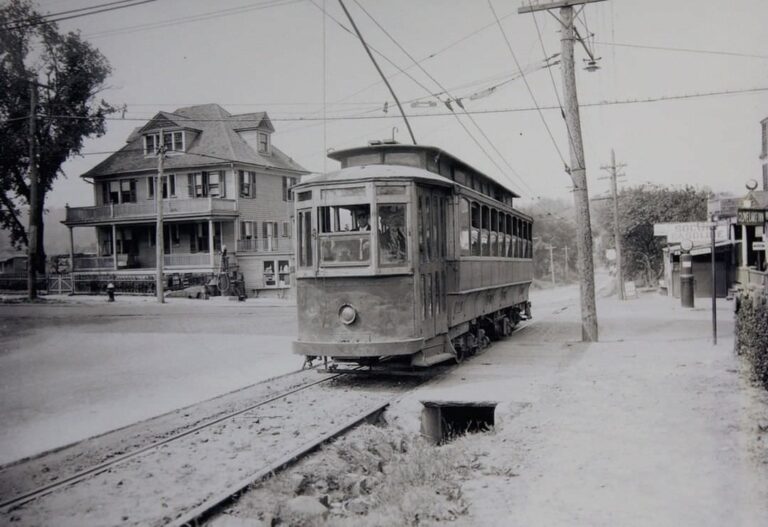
[[357, 506], [302, 508]]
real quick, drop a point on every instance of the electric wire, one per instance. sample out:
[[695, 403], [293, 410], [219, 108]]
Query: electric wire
[[70, 17], [683, 50], [616, 102], [192, 18], [552, 78], [433, 79], [527, 85]]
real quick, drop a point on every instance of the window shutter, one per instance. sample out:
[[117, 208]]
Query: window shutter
[[222, 183], [190, 185]]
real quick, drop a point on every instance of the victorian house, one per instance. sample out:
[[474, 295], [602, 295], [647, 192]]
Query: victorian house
[[226, 184]]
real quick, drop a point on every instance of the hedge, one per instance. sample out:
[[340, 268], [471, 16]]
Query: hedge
[[752, 333]]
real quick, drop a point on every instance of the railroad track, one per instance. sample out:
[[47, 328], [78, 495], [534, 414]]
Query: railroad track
[[183, 477], [175, 480], [26, 497]]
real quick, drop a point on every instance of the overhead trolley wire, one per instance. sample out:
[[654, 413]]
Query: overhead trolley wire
[[444, 90], [618, 102], [527, 85]]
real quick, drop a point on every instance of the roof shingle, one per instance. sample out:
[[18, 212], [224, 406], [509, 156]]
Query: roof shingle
[[215, 140]]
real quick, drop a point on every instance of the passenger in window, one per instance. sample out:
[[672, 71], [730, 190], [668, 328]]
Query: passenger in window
[[362, 221]]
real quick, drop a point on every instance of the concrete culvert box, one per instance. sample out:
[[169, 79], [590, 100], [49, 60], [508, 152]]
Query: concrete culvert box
[[441, 421]]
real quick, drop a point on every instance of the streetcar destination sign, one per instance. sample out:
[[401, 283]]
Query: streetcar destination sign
[[750, 217]]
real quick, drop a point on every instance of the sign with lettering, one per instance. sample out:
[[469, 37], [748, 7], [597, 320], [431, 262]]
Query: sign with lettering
[[698, 232], [758, 246], [750, 217]]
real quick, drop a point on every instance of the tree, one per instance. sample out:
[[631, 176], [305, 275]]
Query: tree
[[66, 74], [553, 224], [639, 208]]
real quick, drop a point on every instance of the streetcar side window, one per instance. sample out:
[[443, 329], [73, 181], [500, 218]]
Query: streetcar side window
[[475, 229], [464, 226], [484, 233], [305, 238], [508, 237], [393, 249], [494, 233], [515, 234]]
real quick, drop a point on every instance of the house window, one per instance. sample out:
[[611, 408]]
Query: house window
[[150, 145], [247, 230], [198, 241], [198, 187], [172, 141], [217, 187], [286, 229], [119, 191], [288, 182], [169, 183], [263, 143], [247, 184]]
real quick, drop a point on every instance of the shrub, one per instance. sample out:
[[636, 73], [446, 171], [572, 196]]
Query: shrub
[[752, 334]]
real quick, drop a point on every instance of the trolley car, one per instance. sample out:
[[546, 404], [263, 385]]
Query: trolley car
[[407, 252]]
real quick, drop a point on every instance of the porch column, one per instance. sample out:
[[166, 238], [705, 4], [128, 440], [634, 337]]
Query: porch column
[[114, 246], [210, 242]]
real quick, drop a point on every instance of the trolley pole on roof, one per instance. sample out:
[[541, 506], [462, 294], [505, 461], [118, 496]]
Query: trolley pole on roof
[[159, 244], [376, 65], [586, 269]]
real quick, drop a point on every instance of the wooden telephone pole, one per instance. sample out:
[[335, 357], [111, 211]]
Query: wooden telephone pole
[[32, 245], [613, 176], [159, 243], [586, 269]]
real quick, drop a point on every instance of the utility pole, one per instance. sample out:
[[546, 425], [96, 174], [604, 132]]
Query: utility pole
[[586, 269], [552, 263], [159, 249], [34, 206], [613, 171], [567, 268]]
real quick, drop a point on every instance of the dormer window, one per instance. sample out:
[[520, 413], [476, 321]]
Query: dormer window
[[173, 142], [263, 143]]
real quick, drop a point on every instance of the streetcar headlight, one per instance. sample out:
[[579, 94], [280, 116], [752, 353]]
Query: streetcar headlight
[[347, 314]]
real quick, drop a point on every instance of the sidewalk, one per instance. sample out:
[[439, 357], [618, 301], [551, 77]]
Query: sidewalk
[[653, 425]]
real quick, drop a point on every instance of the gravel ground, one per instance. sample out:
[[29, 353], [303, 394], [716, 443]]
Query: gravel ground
[[158, 486], [78, 366], [653, 425]]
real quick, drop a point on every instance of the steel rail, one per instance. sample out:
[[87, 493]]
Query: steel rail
[[204, 510], [17, 501]]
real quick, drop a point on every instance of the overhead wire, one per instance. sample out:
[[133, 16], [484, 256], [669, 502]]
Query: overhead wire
[[528, 86], [218, 13], [444, 90], [70, 17], [616, 102]]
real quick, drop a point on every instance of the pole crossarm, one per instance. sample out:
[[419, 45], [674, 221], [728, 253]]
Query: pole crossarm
[[531, 7]]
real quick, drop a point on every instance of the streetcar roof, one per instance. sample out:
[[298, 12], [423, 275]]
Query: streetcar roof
[[438, 153], [369, 172]]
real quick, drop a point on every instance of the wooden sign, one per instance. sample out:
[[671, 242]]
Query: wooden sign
[[750, 217]]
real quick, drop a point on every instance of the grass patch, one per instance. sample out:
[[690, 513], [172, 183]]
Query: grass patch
[[371, 477]]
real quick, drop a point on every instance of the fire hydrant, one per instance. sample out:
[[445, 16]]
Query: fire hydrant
[[111, 292]]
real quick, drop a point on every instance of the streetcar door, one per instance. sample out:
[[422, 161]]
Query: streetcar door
[[431, 220]]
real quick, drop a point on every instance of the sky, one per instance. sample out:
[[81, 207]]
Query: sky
[[287, 58]]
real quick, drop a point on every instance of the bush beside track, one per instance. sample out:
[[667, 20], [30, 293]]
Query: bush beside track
[[752, 333]]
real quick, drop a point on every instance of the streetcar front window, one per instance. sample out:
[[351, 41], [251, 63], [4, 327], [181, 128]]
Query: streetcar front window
[[393, 249], [345, 236]]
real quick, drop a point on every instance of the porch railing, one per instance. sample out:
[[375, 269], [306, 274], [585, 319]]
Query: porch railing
[[749, 277], [171, 207], [87, 263], [260, 245], [96, 263]]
